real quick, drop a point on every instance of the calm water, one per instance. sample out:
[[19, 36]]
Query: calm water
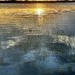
[[37, 39]]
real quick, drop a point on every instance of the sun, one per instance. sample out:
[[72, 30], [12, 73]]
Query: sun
[[39, 11]]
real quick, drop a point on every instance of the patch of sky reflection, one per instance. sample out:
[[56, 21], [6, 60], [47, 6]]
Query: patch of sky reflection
[[11, 42]]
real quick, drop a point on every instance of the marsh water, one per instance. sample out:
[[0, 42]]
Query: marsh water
[[37, 42]]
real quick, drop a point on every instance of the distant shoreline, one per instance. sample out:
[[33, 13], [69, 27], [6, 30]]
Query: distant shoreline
[[37, 1]]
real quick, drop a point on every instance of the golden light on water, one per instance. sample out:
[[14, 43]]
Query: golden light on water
[[39, 11]]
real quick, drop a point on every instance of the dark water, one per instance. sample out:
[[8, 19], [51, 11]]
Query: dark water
[[33, 44]]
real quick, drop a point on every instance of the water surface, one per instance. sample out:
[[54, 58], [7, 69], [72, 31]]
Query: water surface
[[36, 42]]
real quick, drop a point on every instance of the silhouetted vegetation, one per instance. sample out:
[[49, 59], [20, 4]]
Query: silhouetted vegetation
[[40, 0]]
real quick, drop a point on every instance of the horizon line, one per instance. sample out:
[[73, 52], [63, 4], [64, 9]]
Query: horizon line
[[37, 1]]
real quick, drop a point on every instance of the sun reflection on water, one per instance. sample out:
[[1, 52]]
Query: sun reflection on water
[[39, 11]]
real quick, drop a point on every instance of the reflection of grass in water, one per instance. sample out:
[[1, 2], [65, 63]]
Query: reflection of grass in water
[[36, 45], [4, 64], [25, 46], [58, 47], [61, 50], [70, 67], [62, 71], [32, 42], [62, 32], [29, 68]]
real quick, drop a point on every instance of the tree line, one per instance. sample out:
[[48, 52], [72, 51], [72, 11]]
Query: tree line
[[37, 0]]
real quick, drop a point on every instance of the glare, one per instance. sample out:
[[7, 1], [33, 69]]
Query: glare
[[39, 11]]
